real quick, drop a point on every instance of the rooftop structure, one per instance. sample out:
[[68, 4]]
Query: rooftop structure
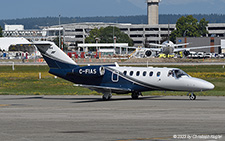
[[6, 42], [153, 11]]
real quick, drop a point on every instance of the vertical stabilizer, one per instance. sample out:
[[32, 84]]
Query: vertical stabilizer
[[54, 56]]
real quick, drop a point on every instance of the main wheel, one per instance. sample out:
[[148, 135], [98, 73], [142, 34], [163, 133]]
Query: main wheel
[[192, 96], [135, 95], [106, 97]]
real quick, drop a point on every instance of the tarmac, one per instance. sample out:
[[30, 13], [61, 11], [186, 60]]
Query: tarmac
[[88, 118]]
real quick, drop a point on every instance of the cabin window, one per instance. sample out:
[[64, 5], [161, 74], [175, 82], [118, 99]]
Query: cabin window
[[125, 72], [158, 74], [137, 73], [144, 73], [151, 73], [131, 73], [170, 73]]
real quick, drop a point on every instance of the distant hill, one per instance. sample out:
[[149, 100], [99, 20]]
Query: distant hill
[[34, 23]]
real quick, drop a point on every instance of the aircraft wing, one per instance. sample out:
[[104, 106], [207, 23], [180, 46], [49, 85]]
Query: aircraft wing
[[103, 89], [152, 49], [157, 45], [177, 45], [192, 48]]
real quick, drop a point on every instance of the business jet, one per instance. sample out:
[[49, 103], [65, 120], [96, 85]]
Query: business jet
[[169, 48], [108, 79]]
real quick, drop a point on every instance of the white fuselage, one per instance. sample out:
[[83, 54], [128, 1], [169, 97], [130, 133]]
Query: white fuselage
[[163, 78]]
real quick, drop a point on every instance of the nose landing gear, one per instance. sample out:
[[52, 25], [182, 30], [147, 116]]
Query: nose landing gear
[[192, 96]]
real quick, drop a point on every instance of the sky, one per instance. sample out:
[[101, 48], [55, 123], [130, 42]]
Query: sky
[[12, 9]]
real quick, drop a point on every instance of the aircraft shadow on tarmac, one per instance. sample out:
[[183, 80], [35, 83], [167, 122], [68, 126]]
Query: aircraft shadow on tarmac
[[90, 99]]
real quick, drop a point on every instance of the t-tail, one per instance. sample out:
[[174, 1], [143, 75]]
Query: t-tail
[[59, 62]]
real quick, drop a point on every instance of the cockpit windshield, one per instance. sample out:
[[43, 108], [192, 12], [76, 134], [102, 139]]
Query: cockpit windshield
[[177, 73]]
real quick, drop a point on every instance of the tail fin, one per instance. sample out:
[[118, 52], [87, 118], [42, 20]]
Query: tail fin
[[54, 56]]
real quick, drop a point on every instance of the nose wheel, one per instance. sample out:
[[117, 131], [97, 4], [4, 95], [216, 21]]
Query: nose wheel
[[192, 96]]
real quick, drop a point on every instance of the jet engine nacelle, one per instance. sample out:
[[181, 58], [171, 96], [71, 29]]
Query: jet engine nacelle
[[148, 53], [186, 53], [89, 71]]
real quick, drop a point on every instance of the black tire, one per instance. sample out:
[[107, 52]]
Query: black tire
[[134, 95], [104, 98], [192, 97]]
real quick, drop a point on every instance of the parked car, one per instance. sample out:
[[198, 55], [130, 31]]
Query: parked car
[[221, 55]]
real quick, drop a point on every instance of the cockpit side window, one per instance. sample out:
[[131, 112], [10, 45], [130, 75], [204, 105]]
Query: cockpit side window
[[179, 73]]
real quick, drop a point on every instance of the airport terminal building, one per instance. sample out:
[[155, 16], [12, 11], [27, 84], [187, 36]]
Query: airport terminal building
[[140, 33], [77, 32]]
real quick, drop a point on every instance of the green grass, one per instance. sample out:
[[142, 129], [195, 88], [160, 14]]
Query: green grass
[[48, 85]]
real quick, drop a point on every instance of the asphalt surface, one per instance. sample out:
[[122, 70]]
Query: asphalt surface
[[88, 118]]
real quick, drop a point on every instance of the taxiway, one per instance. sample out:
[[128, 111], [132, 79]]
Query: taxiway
[[48, 118]]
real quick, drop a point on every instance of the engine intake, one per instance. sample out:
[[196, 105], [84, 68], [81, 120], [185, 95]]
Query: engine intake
[[148, 53], [186, 53]]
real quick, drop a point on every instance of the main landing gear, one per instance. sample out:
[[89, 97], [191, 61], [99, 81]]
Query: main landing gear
[[135, 95], [107, 96], [192, 96]]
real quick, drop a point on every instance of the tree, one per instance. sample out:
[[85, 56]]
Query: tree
[[189, 27], [106, 36], [0, 31]]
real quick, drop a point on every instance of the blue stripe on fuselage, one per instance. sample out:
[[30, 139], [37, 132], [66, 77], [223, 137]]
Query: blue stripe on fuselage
[[103, 81]]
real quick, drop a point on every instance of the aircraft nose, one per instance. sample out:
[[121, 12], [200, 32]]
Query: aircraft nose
[[203, 85], [209, 86]]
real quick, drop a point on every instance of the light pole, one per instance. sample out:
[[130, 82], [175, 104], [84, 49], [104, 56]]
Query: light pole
[[59, 33]]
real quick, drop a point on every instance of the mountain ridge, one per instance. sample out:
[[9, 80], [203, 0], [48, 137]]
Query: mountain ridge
[[35, 23]]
